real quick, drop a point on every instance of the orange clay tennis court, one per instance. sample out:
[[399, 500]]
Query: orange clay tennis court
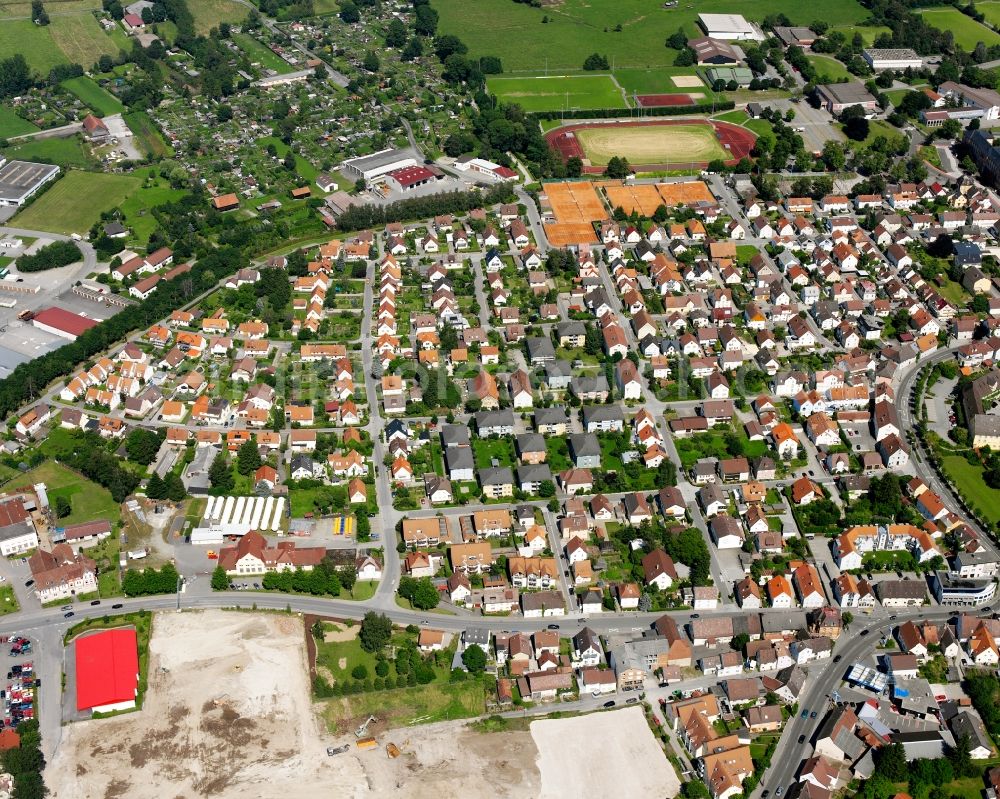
[[643, 198], [575, 206], [694, 191]]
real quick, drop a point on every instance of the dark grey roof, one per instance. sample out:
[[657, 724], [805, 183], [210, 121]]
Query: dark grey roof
[[496, 475], [459, 458], [540, 348], [584, 444], [454, 435], [530, 442], [554, 415], [602, 413], [533, 473], [501, 418]]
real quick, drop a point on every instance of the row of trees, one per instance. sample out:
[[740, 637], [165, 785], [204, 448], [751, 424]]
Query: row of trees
[[361, 217], [28, 380], [151, 581], [26, 762]]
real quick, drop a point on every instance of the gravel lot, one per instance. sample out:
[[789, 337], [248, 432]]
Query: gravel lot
[[602, 754]]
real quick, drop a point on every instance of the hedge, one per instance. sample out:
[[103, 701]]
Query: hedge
[[612, 113]]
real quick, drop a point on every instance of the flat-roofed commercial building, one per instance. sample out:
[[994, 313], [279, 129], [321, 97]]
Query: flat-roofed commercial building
[[900, 58], [369, 167], [20, 180]]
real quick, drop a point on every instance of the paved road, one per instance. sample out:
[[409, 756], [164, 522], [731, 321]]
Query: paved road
[[822, 680], [50, 133]]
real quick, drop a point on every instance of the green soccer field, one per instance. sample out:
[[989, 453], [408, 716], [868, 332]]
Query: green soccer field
[[76, 202], [558, 93], [967, 32], [576, 28]]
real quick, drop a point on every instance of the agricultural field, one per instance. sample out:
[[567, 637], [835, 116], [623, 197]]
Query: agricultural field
[[76, 202], [210, 14], [828, 69], [148, 134], [12, 125], [630, 33], [67, 153], [968, 33], [22, 8], [990, 10], [81, 38], [89, 500], [34, 43], [558, 92], [101, 102], [654, 144], [262, 54]]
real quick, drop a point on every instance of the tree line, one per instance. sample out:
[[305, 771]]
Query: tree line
[[362, 217], [51, 256], [28, 381], [150, 581]]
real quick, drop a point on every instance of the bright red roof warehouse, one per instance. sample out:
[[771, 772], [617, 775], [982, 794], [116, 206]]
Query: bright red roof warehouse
[[64, 323], [107, 670]]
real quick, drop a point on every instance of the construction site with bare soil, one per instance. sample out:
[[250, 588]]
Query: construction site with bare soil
[[228, 713]]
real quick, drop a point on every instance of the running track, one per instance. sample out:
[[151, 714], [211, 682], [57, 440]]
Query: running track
[[739, 141]]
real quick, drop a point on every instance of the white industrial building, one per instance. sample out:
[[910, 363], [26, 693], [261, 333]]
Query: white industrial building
[[729, 27], [19, 180], [228, 517], [369, 167], [892, 59]]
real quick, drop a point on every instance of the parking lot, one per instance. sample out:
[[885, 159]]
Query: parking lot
[[817, 125], [20, 683]]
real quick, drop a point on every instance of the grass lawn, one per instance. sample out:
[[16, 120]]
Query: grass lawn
[[829, 69], [736, 116], [701, 445], [76, 202], [67, 153], [305, 169], [968, 33], [101, 101], [658, 81], [761, 127], [541, 93], [136, 208], [8, 602], [12, 125], [970, 478], [990, 10], [35, 43], [930, 154], [262, 54], [108, 584], [486, 450], [868, 33], [630, 33], [148, 134], [656, 144], [954, 293], [423, 704], [89, 500], [209, 13], [81, 38]]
